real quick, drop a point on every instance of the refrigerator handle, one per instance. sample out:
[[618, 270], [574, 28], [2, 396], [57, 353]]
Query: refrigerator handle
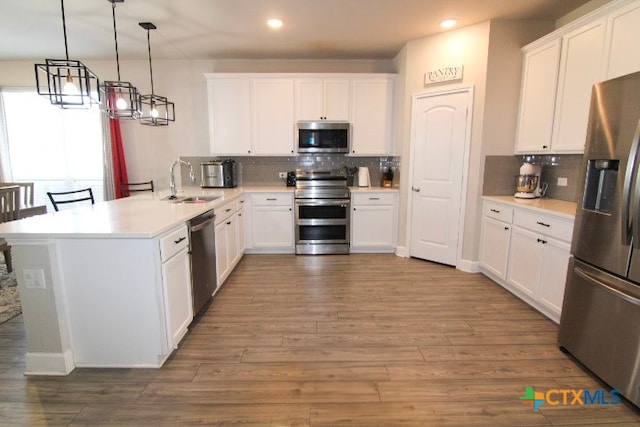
[[629, 223], [633, 210], [605, 286]]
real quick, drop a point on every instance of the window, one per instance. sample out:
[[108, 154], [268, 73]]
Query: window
[[56, 149]]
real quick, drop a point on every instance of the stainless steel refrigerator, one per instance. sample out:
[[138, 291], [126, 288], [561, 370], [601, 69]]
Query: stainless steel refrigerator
[[600, 322]]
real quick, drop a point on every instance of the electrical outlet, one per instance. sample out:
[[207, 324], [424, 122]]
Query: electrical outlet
[[562, 182], [34, 278], [282, 174]]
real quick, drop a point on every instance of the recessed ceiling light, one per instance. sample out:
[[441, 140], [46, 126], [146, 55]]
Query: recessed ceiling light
[[275, 23], [448, 23]]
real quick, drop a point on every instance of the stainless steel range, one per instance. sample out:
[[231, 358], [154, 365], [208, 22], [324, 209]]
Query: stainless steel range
[[322, 201]]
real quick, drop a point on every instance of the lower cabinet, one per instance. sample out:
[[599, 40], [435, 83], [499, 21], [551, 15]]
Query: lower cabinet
[[230, 234], [270, 224], [528, 254], [176, 275], [373, 221]]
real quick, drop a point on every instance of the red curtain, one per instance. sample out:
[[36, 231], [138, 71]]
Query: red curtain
[[117, 152]]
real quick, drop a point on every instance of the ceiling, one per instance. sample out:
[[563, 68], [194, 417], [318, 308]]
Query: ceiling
[[236, 29]]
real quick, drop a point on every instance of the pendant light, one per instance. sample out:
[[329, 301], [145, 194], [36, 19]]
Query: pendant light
[[67, 83], [119, 99], [155, 110]]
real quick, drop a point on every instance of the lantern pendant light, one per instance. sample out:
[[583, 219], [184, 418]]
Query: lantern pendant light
[[155, 110], [119, 99], [67, 83]]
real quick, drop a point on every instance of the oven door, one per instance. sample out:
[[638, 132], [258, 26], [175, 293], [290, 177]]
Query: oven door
[[321, 221]]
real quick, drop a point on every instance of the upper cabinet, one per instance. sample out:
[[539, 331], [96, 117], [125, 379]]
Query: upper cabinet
[[371, 117], [229, 115], [273, 119], [256, 114], [323, 99], [623, 33], [559, 71]]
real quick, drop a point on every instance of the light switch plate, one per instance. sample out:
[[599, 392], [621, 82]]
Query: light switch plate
[[562, 182], [34, 278]]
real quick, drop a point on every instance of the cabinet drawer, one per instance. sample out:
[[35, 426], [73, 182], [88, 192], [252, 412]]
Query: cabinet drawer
[[546, 224], [225, 211], [497, 211], [372, 198], [172, 242], [272, 199]]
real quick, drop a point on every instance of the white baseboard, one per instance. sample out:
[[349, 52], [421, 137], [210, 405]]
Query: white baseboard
[[402, 251], [49, 363], [468, 266]]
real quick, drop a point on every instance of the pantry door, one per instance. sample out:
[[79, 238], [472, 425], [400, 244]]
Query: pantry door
[[440, 134]]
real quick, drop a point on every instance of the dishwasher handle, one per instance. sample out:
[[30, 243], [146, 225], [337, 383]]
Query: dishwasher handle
[[200, 222]]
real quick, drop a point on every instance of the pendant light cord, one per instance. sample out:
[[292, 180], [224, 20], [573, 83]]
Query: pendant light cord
[[150, 68], [115, 37], [64, 30]]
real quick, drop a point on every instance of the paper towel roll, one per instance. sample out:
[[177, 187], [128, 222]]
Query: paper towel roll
[[363, 177]]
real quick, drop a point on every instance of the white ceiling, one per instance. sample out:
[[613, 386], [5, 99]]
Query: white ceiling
[[236, 29]]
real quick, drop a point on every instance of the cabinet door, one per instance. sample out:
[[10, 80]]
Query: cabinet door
[[371, 115], [372, 226], [525, 256], [623, 35], [272, 226], [555, 261], [537, 98], [229, 116], [242, 235], [337, 99], [222, 261], [232, 240], [176, 274], [274, 120], [581, 66], [494, 249]]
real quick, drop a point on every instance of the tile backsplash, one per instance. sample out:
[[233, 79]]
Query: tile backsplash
[[255, 170], [500, 172]]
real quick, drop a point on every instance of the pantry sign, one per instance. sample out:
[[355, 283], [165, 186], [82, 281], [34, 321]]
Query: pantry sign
[[443, 74]]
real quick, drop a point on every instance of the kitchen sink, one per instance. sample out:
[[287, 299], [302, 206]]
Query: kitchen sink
[[193, 199]]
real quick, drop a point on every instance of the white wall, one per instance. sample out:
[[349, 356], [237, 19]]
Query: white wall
[[490, 54]]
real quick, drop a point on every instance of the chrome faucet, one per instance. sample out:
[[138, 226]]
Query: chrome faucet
[[172, 179]]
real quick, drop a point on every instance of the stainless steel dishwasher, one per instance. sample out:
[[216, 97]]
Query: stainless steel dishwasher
[[203, 259]]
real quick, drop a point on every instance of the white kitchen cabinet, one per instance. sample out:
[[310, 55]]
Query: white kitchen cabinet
[[371, 116], [373, 221], [495, 238], [322, 99], [230, 103], [229, 228], [560, 68], [527, 252], [623, 33], [273, 117], [271, 223], [537, 98], [132, 310], [176, 275], [581, 65]]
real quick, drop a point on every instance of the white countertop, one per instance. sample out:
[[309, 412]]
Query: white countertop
[[145, 215], [553, 206]]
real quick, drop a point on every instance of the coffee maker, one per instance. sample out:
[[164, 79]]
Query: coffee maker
[[528, 181]]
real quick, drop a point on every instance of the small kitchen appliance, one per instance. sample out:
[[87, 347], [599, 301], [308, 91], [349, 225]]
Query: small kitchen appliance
[[219, 174], [528, 181], [322, 137]]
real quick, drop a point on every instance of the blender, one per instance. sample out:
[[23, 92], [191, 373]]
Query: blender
[[528, 181]]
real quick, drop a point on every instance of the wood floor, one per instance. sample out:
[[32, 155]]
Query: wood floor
[[369, 340]]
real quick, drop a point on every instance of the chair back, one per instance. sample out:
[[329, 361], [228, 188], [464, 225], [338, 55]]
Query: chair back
[[26, 192], [9, 203], [133, 187], [65, 197]]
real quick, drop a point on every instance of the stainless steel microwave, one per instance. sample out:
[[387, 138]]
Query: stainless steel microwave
[[323, 137]]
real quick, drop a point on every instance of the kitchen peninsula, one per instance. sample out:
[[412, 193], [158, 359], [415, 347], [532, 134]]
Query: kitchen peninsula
[[95, 284]]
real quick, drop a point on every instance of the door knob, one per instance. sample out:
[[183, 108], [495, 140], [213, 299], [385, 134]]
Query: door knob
[[416, 189]]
